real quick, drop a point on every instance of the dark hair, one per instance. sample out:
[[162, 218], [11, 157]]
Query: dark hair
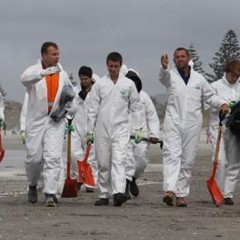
[[135, 78], [233, 66], [46, 45], [86, 71], [115, 57], [182, 49]]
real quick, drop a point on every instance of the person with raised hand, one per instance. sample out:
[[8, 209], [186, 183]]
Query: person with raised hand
[[187, 90]]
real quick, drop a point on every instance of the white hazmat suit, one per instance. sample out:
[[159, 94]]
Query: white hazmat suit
[[24, 113], [44, 137], [182, 126], [79, 135], [108, 113], [228, 161], [137, 153]]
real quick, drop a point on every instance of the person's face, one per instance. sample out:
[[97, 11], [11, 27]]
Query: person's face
[[232, 77], [85, 81], [181, 59], [51, 57], [113, 69]]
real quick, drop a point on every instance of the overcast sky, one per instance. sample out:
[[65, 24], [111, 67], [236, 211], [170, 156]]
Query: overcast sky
[[87, 30]]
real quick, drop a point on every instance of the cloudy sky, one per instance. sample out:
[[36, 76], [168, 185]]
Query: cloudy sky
[[87, 30]]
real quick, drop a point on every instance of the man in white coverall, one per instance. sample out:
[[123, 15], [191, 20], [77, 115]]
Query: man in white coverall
[[87, 79], [137, 153], [228, 88], [182, 124], [110, 101], [47, 85]]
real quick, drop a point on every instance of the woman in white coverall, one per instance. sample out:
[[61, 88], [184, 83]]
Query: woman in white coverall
[[182, 124], [137, 153], [110, 101], [87, 79], [228, 88], [45, 82]]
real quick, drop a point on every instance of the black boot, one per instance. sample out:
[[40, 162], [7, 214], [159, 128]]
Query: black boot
[[50, 200], [102, 202], [134, 188], [127, 189], [228, 201], [119, 199], [32, 194]]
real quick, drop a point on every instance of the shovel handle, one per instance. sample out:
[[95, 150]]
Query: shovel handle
[[222, 116], [219, 135], [69, 136], [88, 149]]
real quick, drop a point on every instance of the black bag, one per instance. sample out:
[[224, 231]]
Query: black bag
[[233, 122], [66, 97]]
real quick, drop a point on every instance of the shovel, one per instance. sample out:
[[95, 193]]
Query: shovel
[[2, 151], [213, 187], [85, 170], [145, 139], [70, 186]]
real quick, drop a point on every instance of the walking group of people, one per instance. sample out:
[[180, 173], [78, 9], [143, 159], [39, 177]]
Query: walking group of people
[[118, 118], [106, 112]]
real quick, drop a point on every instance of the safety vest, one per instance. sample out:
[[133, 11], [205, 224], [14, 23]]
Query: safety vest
[[52, 82]]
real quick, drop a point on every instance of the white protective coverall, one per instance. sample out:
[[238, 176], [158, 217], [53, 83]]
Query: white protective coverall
[[137, 153], [23, 113], [182, 126], [23, 128], [108, 113], [79, 134], [2, 107], [44, 137], [229, 163]]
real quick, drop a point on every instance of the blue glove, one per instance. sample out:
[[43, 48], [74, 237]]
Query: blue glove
[[138, 135], [90, 137]]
